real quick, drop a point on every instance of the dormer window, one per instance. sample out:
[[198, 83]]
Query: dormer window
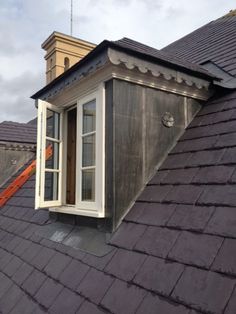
[[70, 170]]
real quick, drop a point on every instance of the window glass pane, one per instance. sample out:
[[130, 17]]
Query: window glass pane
[[53, 128], [53, 160], [51, 186], [88, 185], [89, 150], [89, 117]]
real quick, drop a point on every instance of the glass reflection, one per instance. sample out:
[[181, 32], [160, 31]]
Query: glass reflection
[[52, 127], [88, 151], [51, 186], [88, 185], [89, 117]]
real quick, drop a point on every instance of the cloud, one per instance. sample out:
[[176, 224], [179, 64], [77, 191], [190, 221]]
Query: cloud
[[15, 101]]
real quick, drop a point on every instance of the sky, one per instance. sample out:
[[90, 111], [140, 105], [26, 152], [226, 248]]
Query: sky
[[25, 24]]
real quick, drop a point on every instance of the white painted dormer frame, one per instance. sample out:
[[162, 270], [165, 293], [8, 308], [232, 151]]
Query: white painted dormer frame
[[94, 208], [41, 168]]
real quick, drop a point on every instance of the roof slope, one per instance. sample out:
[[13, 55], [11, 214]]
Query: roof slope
[[215, 41], [18, 132], [174, 253]]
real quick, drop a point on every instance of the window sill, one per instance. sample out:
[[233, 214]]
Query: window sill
[[73, 210]]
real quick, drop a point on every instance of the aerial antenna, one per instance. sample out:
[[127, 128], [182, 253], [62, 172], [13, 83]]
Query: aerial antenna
[[71, 18]]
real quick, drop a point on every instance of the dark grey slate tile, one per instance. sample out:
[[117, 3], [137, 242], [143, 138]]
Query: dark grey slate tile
[[31, 252], [196, 144], [36, 238], [14, 243], [184, 194], [135, 212], [22, 273], [223, 222], [95, 285], [5, 260], [158, 177], [24, 305], [10, 298], [180, 176], [154, 193], [226, 140], [203, 290], [231, 306], [3, 234], [20, 227], [152, 304], [213, 118], [40, 217], [127, 235], [49, 244], [73, 274], [76, 253], [39, 310], [98, 262], [190, 217], [219, 195], [212, 108], [42, 258], [158, 275], [7, 239], [57, 264], [22, 247], [223, 127], [33, 282], [233, 178], [199, 132], [48, 292], [196, 249], [89, 308], [12, 266], [123, 298], [157, 241], [156, 214], [125, 264], [5, 284], [229, 156], [204, 158], [66, 302], [176, 161], [214, 174], [226, 259]]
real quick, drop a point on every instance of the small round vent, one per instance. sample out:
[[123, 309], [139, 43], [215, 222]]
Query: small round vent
[[168, 120]]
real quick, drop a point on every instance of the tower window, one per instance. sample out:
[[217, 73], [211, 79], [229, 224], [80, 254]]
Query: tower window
[[66, 63]]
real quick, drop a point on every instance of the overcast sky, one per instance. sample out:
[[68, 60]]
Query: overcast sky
[[25, 24]]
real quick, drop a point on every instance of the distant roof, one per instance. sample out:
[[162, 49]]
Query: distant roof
[[215, 41], [136, 49], [18, 132], [175, 251]]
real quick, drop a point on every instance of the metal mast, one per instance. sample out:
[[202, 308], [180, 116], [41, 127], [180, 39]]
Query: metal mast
[[71, 18]]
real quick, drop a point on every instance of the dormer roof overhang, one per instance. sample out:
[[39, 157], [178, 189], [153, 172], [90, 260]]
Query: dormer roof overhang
[[118, 54]]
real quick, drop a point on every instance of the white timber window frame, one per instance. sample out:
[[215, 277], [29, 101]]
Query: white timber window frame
[[95, 208]]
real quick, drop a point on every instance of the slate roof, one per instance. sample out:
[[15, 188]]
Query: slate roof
[[18, 132], [174, 253], [215, 41]]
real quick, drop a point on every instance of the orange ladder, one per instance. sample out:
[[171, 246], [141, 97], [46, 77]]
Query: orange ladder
[[14, 186]]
